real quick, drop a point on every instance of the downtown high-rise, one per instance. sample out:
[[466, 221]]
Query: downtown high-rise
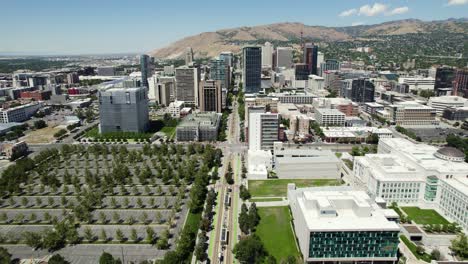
[[310, 57], [252, 68], [145, 69]]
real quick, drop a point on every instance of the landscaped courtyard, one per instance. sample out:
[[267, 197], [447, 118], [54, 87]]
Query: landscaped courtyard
[[101, 195], [424, 216], [276, 232], [279, 187]]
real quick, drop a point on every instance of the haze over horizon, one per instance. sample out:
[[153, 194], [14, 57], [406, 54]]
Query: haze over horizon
[[53, 27]]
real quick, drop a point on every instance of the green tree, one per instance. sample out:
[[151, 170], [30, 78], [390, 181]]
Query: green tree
[[150, 235], [244, 222], [134, 235], [32, 239], [244, 193], [435, 254], [107, 258], [38, 124], [254, 218], [88, 234], [163, 241], [103, 235], [119, 235], [460, 245], [250, 250], [57, 259], [5, 256]]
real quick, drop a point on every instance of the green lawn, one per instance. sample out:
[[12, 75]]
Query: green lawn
[[257, 199], [169, 131], [424, 216], [279, 187], [275, 231]]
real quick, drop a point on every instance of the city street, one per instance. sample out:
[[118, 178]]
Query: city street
[[227, 214]]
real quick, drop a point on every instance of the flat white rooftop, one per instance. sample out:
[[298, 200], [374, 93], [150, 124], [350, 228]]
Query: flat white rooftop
[[342, 210], [423, 155]]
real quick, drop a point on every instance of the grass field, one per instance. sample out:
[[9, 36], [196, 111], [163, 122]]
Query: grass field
[[278, 187], [257, 199], [43, 135], [424, 216], [276, 232], [169, 131]]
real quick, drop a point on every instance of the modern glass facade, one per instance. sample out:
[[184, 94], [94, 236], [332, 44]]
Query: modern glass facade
[[430, 192], [252, 69], [354, 244]]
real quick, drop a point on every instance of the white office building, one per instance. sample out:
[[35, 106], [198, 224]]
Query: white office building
[[284, 57], [411, 113], [417, 174], [174, 108], [263, 130], [418, 83], [159, 92], [19, 113], [443, 102], [329, 117], [341, 225], [267, 55], [316, 84], [304, 162]]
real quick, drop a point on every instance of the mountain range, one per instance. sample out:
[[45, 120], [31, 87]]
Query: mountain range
[[210, 44]]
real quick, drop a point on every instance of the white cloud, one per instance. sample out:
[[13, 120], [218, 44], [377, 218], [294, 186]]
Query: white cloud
[[348, 12], [457, 2], [398, 11], [373, 10], [357, 24]]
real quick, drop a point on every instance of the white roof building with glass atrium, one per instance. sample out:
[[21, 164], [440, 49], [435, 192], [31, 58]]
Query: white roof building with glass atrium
[[419, 175], [334, 224]]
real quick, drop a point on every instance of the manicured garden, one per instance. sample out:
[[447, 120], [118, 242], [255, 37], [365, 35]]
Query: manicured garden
[[276, 232], [424, 216], [278, 187]]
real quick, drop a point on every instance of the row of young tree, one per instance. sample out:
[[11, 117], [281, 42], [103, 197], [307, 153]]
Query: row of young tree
[[199, 194], [205, 226]]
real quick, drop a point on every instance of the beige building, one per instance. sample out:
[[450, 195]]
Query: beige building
[[412, 114]]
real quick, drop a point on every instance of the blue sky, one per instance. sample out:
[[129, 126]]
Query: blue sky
[[118, 26]]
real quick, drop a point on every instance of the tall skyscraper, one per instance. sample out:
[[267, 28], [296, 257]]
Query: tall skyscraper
[[284, 57], [311, 57], [252, 68], [187, 80], [188, 55], [359, 90], [220, 71], [444, 79], [320, 60], [210, 96], [123, 109], [228, 58], [301, 72], [267, 55], [145, 69], [460, 86]]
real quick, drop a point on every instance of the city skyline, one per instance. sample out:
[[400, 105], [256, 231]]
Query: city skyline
[[53, 27]]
